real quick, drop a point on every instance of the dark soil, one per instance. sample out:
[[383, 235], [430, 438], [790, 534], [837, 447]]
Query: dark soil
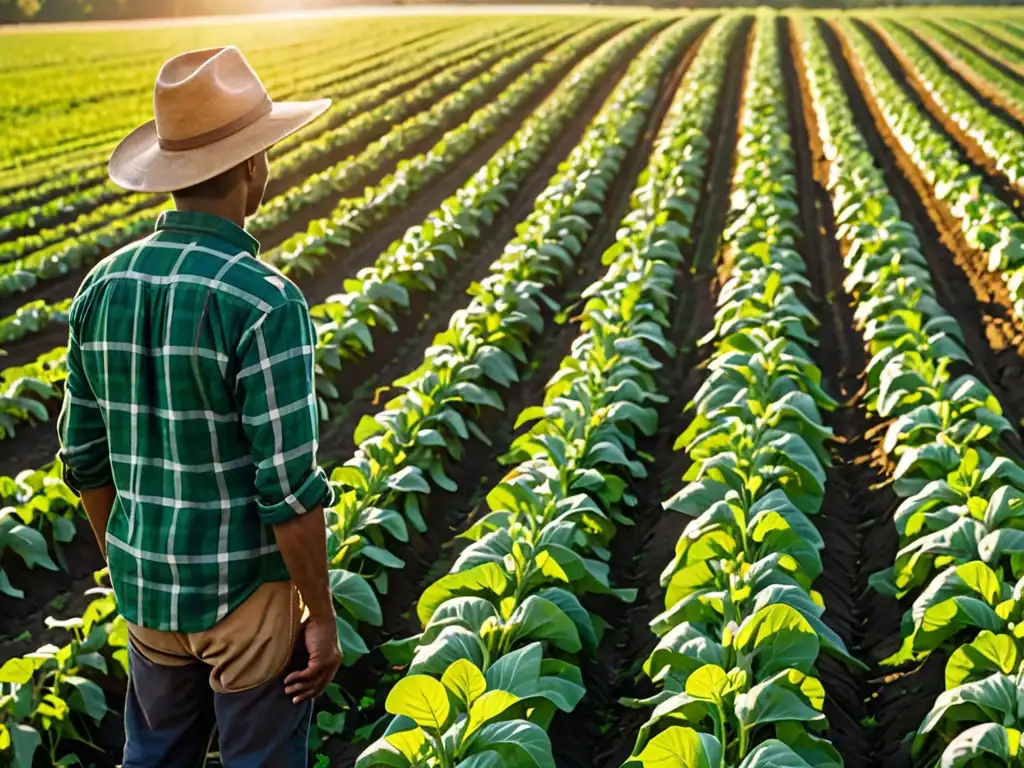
[[26, 350], [970, 152], [872, 713], [981, 303], [856, 516], [603, 733], [480, 474], [991, 91], [429, 313]]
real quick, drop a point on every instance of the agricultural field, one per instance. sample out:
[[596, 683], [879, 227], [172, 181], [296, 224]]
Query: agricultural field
[[670, 373]]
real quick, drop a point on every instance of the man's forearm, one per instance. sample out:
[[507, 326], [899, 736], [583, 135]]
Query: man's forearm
[[98, 502], [303, 545]]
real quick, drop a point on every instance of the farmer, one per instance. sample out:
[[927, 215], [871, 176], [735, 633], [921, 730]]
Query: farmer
[[189, 428]]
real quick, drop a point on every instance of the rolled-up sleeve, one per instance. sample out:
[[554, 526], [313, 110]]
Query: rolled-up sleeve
[[84, 449], [279, 412]]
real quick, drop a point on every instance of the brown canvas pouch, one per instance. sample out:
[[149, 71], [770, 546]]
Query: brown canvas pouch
[[248, 647]]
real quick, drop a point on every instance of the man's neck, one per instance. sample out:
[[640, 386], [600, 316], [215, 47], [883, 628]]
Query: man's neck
[[224, 209]]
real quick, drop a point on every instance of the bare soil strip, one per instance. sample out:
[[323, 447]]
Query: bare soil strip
[[432, 554], [978, 83], [971, 153], [600, 732], [428, 314], [982, 305], [893, 703], [856, 518]]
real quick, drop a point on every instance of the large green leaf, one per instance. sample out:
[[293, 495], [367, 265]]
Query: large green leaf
[[487, 707], [450, 645], [539, 619], [465, 680], [777, 638], [773, 754], [995, 695], [488, 579], [521, 743], [680, 747], [986, 741], [985, 654], [87, 697], [421, 698], [788, 696], [356, 596], [26, 740], [516, 672]]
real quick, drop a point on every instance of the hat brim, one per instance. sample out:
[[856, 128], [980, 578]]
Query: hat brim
[[140, 165]]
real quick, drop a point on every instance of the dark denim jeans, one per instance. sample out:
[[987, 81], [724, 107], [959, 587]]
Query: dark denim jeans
[[171, 713]]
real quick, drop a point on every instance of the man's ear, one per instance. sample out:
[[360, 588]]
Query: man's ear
[[250, 168]]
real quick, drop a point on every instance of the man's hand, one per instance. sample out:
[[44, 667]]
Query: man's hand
[[321, 638], [302, 541]]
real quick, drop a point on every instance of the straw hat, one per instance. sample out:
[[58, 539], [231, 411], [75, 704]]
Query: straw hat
[[212, 113]]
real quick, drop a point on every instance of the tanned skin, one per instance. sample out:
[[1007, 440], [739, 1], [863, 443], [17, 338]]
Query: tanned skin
[[302, 540]]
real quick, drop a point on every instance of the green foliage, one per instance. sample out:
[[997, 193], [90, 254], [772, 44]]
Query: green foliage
[[510, 605], [403, 450], [741, 632], [37, 512], [960, 556], [48, 700]]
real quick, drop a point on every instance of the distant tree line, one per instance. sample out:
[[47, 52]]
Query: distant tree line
[[78, 10]]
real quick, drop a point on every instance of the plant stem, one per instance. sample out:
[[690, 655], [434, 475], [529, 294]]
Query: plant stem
[[744, 735]]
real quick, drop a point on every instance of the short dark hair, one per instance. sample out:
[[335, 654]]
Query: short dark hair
[[212, 189]]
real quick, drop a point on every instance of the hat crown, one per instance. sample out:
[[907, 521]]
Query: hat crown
[[201, 92]]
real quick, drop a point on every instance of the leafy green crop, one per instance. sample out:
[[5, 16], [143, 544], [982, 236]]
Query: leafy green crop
[[989, 226], [1005, 87], [92, 234], [514, 590], [36, 505], [305, 250], [999, 140], [31, 318], [417, 260], [961, 548], [402, 450], [47, 698], [741, 631], [26, 390]]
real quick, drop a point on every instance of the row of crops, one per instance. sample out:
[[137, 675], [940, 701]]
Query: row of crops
[[613, 312]]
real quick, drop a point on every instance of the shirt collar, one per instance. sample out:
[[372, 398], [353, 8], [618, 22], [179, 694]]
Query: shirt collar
[[208, 224]]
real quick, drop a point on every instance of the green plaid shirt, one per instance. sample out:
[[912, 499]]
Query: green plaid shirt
[[190, 388]]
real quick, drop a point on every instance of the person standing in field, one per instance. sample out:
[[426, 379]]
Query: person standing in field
[[190, 428]]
